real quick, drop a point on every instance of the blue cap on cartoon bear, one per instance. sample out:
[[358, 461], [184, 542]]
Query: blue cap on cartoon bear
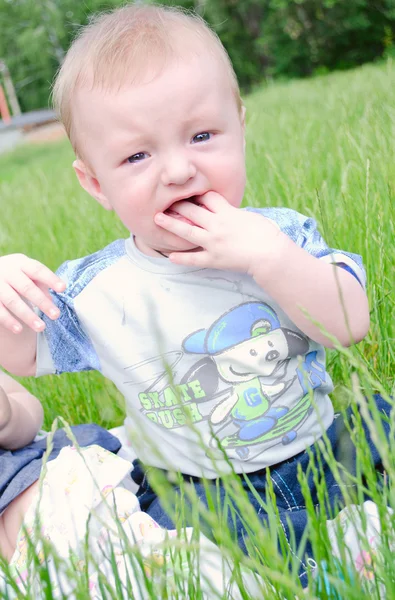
[[232, 328]]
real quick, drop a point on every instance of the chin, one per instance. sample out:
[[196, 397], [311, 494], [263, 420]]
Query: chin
[[179, 246], [186, 248]]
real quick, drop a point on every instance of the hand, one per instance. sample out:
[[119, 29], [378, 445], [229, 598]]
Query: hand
[[225, 237], [22, 278]]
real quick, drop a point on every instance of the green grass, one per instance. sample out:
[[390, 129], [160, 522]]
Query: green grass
[[324, 147]]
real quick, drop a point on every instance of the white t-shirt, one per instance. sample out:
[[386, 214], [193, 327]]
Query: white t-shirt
[[213, 371]]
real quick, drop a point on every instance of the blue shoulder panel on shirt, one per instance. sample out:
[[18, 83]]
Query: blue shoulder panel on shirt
[[78, 273], [70, 347], [290, 221], [303, 231]]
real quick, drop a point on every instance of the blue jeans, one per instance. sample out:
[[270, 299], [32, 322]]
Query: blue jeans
[[20, 468], [289, 498]]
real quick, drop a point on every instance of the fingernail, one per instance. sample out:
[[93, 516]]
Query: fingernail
[[54, 312], [38, 325], [17, 328]]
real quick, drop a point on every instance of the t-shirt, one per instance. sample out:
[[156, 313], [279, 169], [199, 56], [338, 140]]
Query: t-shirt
[[215, 375]]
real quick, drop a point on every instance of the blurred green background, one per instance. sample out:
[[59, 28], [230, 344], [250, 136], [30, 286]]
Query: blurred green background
[[323, 146], [264, 38]]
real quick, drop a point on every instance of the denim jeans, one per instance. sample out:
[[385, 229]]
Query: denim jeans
[[20, 468], [288, 494]]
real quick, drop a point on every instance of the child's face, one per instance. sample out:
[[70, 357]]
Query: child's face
[[148, 145]]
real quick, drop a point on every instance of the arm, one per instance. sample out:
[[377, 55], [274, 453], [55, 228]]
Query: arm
[[18, 352], [250, 243], [330, 295], [24, 283], [21, 414]]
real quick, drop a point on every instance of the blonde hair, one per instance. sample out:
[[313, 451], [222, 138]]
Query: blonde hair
[[118, 46]]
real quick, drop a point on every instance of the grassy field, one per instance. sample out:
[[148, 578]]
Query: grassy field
[[324, 147]]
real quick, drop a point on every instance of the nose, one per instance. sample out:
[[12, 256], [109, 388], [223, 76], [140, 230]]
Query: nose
[[177, 169]]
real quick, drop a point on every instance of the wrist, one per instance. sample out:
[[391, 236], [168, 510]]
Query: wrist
[[269, 262]]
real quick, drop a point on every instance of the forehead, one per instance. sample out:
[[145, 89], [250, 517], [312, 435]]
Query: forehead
[[189, 85]]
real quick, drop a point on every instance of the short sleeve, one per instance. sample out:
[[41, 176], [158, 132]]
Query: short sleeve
[[64, 346], [304, 232]]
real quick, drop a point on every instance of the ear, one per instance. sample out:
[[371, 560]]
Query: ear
[[90, 183]]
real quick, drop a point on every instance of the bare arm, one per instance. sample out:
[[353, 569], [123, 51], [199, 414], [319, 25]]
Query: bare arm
[[18, 352], [330, 295], [21, 414]]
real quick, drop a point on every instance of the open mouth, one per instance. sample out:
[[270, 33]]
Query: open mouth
[[172, 209]]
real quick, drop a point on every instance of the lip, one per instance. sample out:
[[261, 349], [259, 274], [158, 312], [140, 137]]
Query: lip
[[181, 198], [173, 213], [176, 215]]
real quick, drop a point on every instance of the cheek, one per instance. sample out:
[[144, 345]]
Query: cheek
[[228, 179], [127, 197], [235, 186], [233, 176]]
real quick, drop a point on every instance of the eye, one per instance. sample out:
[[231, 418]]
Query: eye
[[253, 352], [204, 136], [138, 157]]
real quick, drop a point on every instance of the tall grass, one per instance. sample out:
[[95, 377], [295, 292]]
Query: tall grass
[[324, 147]]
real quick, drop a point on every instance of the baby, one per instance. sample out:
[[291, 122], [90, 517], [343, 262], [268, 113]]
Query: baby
[[210, 319]]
